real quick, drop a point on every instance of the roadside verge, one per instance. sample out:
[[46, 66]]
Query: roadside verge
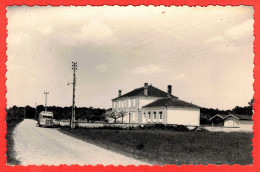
[[10, 153]]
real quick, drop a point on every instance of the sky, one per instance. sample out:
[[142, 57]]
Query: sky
[[205, 53]]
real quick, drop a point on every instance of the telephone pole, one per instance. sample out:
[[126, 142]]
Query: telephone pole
[[24, 113], [46, 93], [72, 121], [35, 111]]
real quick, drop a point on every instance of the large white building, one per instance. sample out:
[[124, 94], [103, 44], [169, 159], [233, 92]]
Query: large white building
[[149, 104]]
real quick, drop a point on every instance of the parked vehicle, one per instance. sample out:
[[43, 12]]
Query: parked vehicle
[[45, 119]]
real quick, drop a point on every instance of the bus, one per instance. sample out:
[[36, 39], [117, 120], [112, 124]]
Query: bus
[[45, 119]]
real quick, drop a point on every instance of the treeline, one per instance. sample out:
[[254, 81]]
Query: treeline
[[207, 113], [90, 114]]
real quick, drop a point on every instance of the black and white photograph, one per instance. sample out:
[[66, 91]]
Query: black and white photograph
[[129, 85]]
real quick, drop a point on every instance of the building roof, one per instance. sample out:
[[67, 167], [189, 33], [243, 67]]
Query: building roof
[[152, 91], [171, 102], [240, 117], [222, 116], [46, 113]]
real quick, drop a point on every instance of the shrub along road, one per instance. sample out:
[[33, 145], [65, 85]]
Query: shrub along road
[[48, 146]]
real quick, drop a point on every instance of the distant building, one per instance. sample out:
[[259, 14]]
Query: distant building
[[150, 105], [232, 121]]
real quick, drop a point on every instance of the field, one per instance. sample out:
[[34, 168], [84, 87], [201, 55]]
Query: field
[[10, 154], [172, 147]]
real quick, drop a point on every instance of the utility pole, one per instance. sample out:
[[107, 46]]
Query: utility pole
[[24, 113], [35, 111], [72, 121], [46, 93]]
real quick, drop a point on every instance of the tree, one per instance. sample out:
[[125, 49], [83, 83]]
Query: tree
[[251, 102], [115, 115], [84, 113]]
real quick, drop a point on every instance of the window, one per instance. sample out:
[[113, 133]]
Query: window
[[160, 115], [48, 117], [129, 103], [154, 116], [149, 115], [134, 115]]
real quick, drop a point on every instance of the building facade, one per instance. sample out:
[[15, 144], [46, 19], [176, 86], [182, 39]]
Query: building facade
[[150, 105]]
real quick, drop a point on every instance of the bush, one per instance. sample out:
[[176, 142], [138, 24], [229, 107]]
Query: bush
[[164, 127], [140, 146]]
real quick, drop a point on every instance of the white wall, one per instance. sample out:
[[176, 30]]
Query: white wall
[[231, 122], [246, 125], [182, 116]]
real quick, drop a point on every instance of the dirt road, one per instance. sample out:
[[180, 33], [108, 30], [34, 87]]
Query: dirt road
[[36, 146]]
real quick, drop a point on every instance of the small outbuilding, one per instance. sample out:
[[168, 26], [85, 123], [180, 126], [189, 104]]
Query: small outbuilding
[[232, 121], [218, 120]]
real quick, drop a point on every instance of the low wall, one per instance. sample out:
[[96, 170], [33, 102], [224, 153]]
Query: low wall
[[85, 124], [121, 125], [246, 129]]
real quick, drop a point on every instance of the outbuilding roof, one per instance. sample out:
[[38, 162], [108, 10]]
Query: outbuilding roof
[[152, 91], [171, 102], [240, 117]]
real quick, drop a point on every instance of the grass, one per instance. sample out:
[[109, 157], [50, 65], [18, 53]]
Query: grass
[[161, 147], [10, 153]]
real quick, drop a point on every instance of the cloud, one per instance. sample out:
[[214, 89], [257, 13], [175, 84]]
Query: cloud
[[93, 32], [179, 77], [101, 68], [241, 30], [47, 30], [218, 38], [149, 69]]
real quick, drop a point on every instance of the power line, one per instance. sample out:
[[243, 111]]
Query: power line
[[145, 42], [193, 57]]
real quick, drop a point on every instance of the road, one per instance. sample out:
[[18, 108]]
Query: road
[[48, 146]]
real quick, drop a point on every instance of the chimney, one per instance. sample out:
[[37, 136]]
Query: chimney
[[119, 93], [145, 89], [169, 92]]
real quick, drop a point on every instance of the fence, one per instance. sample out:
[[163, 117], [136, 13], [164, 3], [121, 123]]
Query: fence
[[86, 124]]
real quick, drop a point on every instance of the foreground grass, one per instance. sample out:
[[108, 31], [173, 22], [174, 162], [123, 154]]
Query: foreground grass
[[171, 147], [10, 153]]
